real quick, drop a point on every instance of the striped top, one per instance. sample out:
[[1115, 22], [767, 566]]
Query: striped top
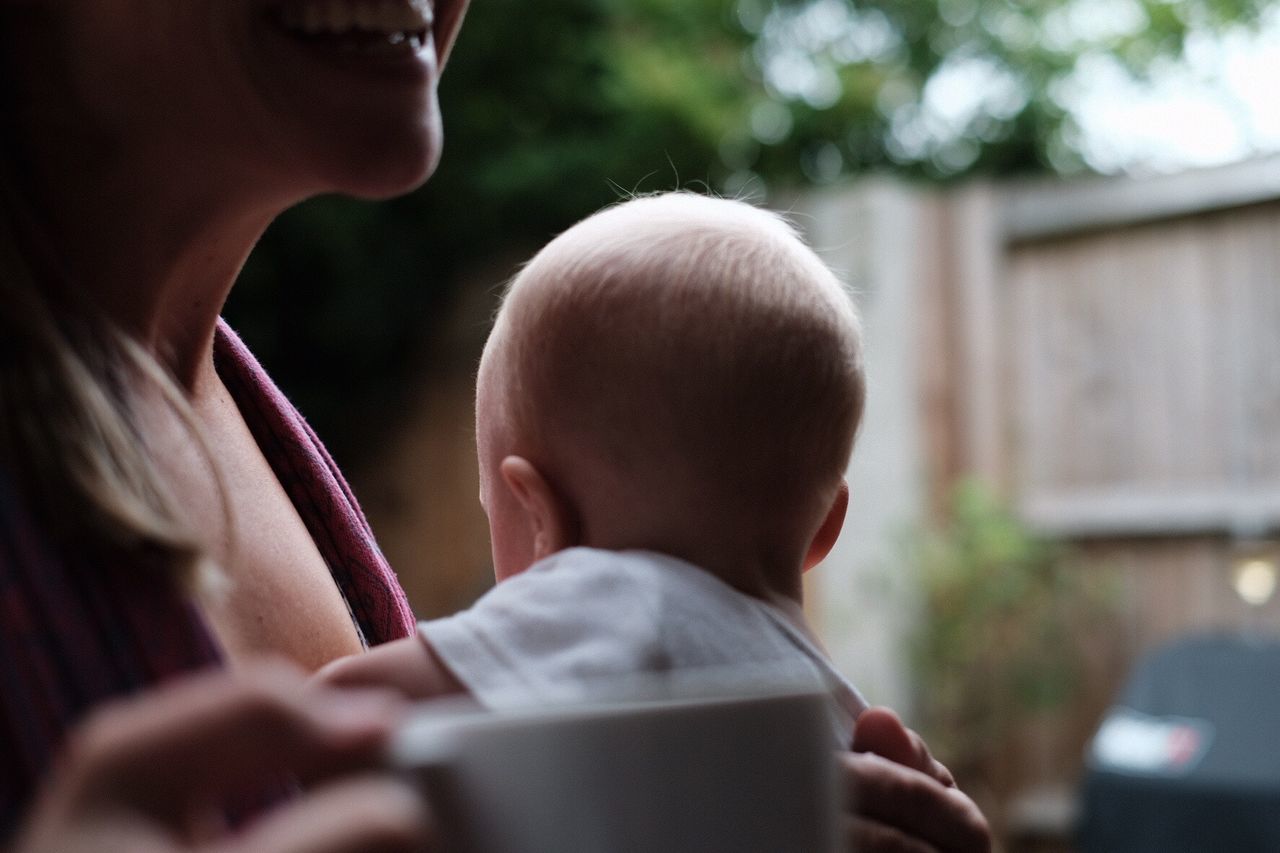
[[73, 635]]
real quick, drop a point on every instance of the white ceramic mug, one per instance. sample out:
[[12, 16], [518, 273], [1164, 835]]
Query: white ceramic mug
[[729, 773]]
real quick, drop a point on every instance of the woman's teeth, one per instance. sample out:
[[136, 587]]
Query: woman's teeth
[[398, 21]]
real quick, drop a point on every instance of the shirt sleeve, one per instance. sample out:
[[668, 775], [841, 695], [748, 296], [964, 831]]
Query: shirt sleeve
[[563, 631]]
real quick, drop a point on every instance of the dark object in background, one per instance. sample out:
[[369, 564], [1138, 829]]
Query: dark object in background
[[1189, 759]]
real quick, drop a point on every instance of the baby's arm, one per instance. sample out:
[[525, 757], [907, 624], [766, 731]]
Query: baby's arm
[[409, 665]]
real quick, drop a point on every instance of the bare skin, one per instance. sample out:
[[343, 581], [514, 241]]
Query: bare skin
[[900, 798], [152, 212], [190, 744], [155, 142], [150, 143], [265, 550]]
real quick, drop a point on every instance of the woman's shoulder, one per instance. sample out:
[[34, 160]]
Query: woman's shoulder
[[319, 492]]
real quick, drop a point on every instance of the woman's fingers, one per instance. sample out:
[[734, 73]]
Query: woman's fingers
[[916, 805], [864, 835], [880, 731], [360, 815], [168, 758]]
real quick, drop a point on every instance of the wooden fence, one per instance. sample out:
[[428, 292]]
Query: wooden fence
[[1106, 355], [1118, 343]]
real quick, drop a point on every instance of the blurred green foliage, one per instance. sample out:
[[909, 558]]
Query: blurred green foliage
[[1004, 629], [941, 89], [556, 107]]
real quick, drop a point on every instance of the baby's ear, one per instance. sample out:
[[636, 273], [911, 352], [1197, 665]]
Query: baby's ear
[[551, 516], [825, 539]]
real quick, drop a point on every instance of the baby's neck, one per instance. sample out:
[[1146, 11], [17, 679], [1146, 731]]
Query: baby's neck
[[774, 579], [776, 584], [758, 557], [779, 585]]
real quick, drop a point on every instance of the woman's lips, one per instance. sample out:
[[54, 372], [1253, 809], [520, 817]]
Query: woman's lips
[[366, 26]]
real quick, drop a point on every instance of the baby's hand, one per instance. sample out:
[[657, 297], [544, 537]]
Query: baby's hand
[[880, 731], [900, 798]]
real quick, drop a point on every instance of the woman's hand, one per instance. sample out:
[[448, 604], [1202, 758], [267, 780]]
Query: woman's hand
[[901, 800], [147, 775]]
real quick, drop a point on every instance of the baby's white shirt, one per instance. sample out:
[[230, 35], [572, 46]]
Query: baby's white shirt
[[576, 626]]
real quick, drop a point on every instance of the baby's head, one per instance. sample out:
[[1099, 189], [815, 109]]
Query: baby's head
[[676, 373]]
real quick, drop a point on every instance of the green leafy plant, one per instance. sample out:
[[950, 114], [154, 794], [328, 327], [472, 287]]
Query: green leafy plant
[[1007, 616]]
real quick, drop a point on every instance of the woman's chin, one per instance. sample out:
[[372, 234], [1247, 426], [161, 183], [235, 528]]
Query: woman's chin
[[386, 184], [380, 169]]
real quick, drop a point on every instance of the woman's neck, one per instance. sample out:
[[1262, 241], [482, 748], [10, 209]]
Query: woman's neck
[[165, 280], [152, 226], [158, 263], [151, 234]]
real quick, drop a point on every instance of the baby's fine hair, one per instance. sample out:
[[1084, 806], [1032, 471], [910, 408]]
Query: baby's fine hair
[[690, 345]]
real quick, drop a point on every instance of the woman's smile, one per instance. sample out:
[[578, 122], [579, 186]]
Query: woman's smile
[[350, 85], [375, 27]]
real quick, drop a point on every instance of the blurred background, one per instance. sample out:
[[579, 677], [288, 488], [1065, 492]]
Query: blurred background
[[1061, 220]]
